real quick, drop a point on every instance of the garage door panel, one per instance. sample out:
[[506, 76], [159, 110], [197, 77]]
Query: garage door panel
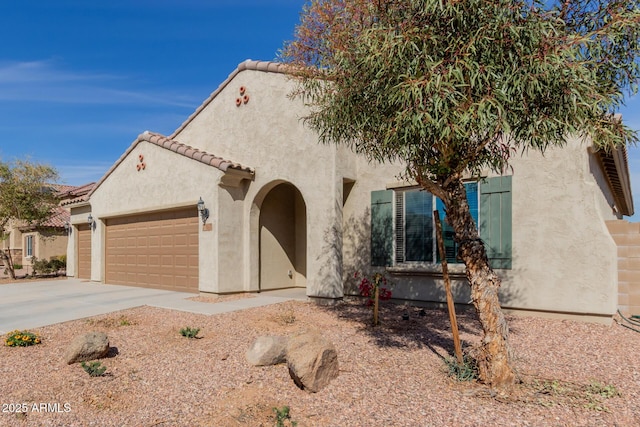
[[158, 250], [84, 251]]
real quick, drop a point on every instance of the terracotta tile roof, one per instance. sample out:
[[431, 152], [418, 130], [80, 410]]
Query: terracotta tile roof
[[77, 194], [264, 66], [59, 217], [193, 153], [179, 148], [74, 200], [82, 189], [62, 189]]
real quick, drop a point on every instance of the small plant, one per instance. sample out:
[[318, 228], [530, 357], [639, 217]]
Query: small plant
[[596, 392], [111, 322], [283, 417], [368, 285], [17, 266], [189, 332], [375, 288], [21, 339], [590, 396], [466, 371], [605, 391], [51, 266], [94, 369], [58, 263], [286, 318]]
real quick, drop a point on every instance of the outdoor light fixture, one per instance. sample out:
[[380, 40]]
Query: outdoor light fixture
[[67, 227], [91, 221], [204, 212]]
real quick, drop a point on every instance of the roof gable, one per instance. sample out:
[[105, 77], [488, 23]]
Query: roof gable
[[264, 66], [162, 141]]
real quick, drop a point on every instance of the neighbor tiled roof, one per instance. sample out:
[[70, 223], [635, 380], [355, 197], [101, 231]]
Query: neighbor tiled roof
[[77, 194], [62, 189], [59, 217], [179, 148], [265, 66]]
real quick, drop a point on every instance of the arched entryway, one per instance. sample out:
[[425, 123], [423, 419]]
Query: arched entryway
[[282, 238]]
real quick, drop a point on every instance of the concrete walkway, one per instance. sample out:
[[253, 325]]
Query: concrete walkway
[[28, 304]]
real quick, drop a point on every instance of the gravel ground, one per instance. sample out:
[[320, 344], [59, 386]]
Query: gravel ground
[[573, 374]]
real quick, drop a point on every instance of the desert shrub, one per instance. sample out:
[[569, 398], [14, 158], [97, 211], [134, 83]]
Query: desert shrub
[[21, 339], [283, 417], [58, 263], [94, 369], [465, 371], [189, 332], [53, 265]]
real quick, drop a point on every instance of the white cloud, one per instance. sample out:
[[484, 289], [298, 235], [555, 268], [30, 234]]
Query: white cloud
[[45, 81], [82, 174]]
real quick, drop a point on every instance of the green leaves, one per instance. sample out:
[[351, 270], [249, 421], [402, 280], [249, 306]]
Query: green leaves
[[26, 193], [442, 86]]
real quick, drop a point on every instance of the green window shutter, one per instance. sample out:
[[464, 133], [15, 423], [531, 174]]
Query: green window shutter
[[495, 220], [381, 228]]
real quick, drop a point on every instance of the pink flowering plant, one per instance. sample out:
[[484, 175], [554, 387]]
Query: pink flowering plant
[[368, 285], [375, 287]]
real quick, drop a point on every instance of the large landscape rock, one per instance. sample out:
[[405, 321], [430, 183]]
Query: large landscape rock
[[312, 361], [267, 350], [91, 346]]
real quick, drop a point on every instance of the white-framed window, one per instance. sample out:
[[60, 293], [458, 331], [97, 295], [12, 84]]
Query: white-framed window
[[28, 245], [403, 230], [415, 234]]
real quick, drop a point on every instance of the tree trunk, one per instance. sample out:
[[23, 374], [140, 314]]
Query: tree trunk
[[8, 262], [494, 355]]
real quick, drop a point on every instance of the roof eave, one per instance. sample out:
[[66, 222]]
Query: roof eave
[[615, 166]]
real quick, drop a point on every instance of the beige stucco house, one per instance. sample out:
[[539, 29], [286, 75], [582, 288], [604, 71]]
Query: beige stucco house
[[44, 240], [281, 210]]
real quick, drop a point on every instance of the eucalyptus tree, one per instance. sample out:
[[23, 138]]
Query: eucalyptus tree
[[26, 198], [452, 87]]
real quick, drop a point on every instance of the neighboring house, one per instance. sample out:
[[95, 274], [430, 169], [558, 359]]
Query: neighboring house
[[281, 210], [47, 239]]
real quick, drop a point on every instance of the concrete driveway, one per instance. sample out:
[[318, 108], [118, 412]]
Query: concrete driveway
[[32, 304]]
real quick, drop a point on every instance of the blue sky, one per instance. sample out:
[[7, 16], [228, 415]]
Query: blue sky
[[79, 80]]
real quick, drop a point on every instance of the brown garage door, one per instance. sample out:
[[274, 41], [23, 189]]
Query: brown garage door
[[84, 251], [155, 250]]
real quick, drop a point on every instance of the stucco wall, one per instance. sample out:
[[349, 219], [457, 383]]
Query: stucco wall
[[268, 135], [564, 259], [168, 181], [563, 256], [50, 244]]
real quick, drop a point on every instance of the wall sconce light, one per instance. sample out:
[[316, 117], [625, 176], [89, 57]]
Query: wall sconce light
[[91, 221], [67, 227], [204, 212]]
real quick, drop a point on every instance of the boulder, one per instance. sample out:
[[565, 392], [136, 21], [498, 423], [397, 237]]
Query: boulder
[[267, 350], [91, 346], [312, 361]]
